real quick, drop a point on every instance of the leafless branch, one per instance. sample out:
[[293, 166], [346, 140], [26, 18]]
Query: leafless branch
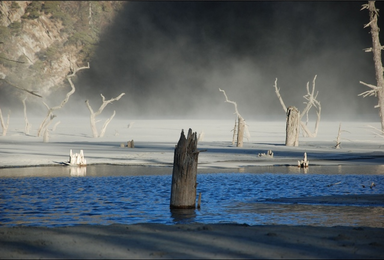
[[277, 90]]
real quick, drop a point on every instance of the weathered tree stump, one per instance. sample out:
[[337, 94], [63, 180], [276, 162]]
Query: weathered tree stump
[[240, 132], [292, 127], [183, 191], [303, 163], [131, 144]]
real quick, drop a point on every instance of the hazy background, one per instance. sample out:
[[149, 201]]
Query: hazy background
[[171, 58]]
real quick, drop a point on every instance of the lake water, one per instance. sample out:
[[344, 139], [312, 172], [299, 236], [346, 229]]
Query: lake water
[[105, 194]]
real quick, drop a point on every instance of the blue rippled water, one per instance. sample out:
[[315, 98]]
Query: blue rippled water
[[226, 198]]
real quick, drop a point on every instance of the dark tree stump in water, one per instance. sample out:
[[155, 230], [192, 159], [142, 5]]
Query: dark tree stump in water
[[183, 191]]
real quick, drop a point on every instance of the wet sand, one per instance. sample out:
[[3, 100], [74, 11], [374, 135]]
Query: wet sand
[[143, 241]]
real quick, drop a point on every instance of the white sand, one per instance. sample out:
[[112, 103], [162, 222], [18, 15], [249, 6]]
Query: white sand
[[155, 141]]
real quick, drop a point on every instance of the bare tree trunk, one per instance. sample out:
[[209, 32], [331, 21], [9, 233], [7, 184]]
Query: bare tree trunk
[[234, 132], [240, 132], [104, 128], [183, 191], [98, 112], [311, 98], [376, 50], [240, 127], [292, 127], [54, 127], [49, 117], [27, 125], [3, 124], [277, 91]]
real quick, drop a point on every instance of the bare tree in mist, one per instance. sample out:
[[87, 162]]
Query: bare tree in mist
[[311, 101], [98, 112], [27, 124], [378, 90], [4, 125], [50, 116], [241, 126]]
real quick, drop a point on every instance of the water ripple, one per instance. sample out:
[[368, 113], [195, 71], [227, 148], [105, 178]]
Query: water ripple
[[226, 198]]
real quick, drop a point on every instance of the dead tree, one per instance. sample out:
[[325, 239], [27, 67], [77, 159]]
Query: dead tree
[[98, 112], [311, 101], [292, 127], [27, 124], [241, 125], [4, 125], [50, 116], [338, 140], [183, 190], [378, 90]]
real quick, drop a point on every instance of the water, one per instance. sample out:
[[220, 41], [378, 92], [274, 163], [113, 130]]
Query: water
[[63, 196]]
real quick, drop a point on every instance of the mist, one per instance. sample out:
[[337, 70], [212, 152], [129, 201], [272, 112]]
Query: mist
[[171, 58]]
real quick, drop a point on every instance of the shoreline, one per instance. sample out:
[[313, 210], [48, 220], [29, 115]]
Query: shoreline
[[208, 241]]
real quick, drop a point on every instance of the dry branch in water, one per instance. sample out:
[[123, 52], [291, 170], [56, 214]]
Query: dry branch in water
[[98, 112]]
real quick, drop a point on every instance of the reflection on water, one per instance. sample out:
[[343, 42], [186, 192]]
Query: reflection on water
[[80, 171], [183, 216], [106, 195]]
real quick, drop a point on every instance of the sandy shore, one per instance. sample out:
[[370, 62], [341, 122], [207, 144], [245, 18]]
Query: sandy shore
[[143, 241]]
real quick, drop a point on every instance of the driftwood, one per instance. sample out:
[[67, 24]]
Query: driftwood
[[130, 144], [183, 190], [269, 153], [98, 112]]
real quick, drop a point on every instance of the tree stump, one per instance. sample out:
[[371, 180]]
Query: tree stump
[[183, 191], [240, 132], [292, 127], [131, 144]]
